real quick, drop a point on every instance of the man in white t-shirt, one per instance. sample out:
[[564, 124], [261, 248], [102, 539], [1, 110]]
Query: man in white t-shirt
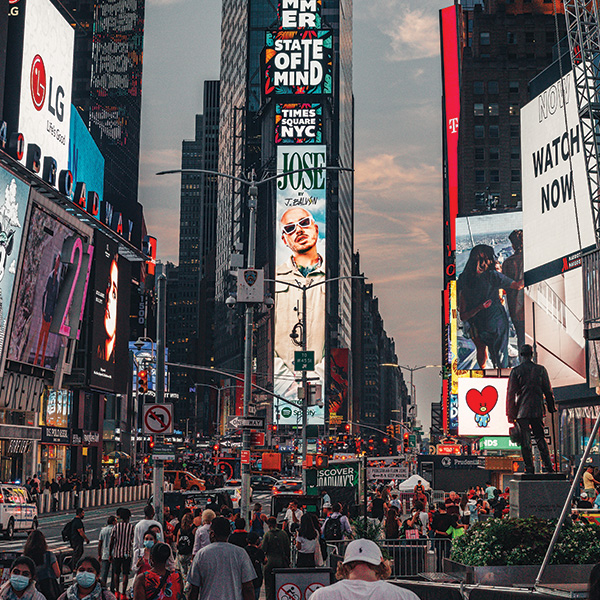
[[141, 527], [293, 515], [221, 571], [362, 571]]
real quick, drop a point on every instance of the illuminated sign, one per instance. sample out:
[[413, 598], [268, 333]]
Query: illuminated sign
[[337, 395], [298, 62], [300, 14], [482, 406], [298, 123], [58, 407], [300, 260]]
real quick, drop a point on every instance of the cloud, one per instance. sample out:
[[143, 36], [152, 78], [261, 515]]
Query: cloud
[[384, 172]]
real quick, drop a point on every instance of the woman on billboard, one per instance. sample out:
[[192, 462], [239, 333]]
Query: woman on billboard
[[484, 317], [106, 350]]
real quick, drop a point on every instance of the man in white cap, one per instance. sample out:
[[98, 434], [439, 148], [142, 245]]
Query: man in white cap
[[361, 574]]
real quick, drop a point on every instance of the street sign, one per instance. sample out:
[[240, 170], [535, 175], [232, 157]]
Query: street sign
[[399, 472], [158, 418], [412, 440], [240, 422], [251, 285], [304, 360], [163, 452], [245, 457]]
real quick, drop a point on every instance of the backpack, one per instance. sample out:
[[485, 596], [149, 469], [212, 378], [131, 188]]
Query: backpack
[[67, 531], [185, 545], [333, 529]]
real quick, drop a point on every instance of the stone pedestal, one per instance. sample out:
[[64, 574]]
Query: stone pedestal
[[538, 495]]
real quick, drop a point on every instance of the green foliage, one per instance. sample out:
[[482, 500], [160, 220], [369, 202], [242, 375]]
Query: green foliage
[[525, 541], [371, 530]]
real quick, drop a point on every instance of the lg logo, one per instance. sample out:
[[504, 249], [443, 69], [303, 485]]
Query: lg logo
[[37, 83], [14, 10]]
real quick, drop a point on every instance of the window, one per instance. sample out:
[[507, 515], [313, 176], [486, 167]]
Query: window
[[511, 37], [514, 130], [494, 153], [492, 87], [513, 110], [494, 131], [478, 87], [478, 109], [479, 153], [479, 131], [515, 152], [479, 176], [484, 38], [513, 87], [515, 175], [494, 176], [493, 110]]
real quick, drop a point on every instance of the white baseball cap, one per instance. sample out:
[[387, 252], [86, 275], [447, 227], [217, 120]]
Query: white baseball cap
[[363, 551], [583, 495]]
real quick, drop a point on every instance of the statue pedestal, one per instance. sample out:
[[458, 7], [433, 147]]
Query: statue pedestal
[[538, 495]]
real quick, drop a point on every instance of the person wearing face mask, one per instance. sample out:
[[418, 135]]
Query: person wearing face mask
[[87, 584], [141, 557], [21, 584], [160, 582]]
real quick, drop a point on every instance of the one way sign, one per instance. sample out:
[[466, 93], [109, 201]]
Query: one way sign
[[239, 422]]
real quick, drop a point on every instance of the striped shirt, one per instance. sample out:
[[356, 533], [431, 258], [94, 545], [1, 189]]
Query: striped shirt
[[121, 540]]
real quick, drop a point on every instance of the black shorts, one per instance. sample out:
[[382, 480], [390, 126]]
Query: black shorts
[[122, 565]]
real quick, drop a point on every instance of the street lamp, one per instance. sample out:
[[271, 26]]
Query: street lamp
[[219, 389]]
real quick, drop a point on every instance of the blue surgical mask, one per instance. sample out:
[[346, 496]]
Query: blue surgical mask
[[148, 543], [85, 579], [19, 582]]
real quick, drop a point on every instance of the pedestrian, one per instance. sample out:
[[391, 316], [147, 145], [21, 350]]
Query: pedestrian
[[47, 571], [361, 575], [78, 537], [87, 582], [142, 526], [121, 550], [202, 536], [307, 543], [104, 549], [257, 556], [21, 582], [141, 556], [160, 582], [239, 537], [257, 524], [185, 544], [276, 546], [440, 524], [589, 482], [227, 513], [452, 503], [54, 489], [337, 526], [221, 571], [293, 514], [391, 526], [377, 506]]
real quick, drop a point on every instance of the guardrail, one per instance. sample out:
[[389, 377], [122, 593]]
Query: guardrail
[[407, 558], [65, 501]]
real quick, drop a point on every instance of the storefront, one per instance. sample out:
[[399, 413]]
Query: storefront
[[54, 451], [18, 451]]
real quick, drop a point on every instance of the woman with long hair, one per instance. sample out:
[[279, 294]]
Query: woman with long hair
[[21, 582], [484, 317], [306, 542], [47, 571], [141, 556], [87, 582], [392, 529], [185, 543]]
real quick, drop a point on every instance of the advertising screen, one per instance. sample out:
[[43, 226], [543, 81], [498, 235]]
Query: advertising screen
[[557, 214], [482, 406], [110, 310], [338, 386], [298, 62], [12, 220], [47, 71], [52, 286], [58, 407], [300, 260], [299, 14], [298, 123], [490, 298]]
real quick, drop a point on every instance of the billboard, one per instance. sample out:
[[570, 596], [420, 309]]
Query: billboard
[[300, 260], [557, 213], [110, 316], [298, 62], [298, 123], [482, 406], [337, 396], [57, 407], [46, 81], [299, 14], [52, 285], [490, 298]]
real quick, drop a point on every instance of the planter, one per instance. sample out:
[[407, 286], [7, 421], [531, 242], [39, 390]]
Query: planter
[[523, 575]]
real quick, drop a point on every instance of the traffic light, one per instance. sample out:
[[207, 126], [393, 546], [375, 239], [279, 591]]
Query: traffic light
[[406, 443], [347, 427], [151, 443], [398, 429], [390, 430], [142, 381], [385, 441], [321, 461]]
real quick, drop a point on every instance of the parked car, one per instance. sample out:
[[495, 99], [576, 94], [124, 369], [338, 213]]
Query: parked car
[[18, 511], [184, 480], [262, 482]]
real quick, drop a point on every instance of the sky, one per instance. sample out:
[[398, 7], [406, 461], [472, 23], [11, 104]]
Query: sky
[[398, 184]]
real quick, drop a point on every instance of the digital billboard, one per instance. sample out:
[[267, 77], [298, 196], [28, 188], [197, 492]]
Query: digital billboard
[[86, 162], [482, 406], [110, 310], [57, 407], [299, 14], [300, 260], [557, 213], [46, 80], [337, 396], [298, 62], [52, 285], [13, 209], [489, 288], [298, 123]]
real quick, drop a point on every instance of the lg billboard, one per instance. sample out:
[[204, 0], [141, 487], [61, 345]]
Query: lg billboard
[[300, 260]]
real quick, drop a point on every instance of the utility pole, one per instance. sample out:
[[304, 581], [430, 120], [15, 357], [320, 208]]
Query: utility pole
[[305, 394], [161, 318]]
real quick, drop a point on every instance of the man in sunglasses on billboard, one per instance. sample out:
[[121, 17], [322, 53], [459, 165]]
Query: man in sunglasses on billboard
[[305, 266]]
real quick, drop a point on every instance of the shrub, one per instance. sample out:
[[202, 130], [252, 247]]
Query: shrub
[[525, 541]]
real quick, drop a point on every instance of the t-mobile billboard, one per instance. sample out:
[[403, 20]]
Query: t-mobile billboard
[[300, 259]]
